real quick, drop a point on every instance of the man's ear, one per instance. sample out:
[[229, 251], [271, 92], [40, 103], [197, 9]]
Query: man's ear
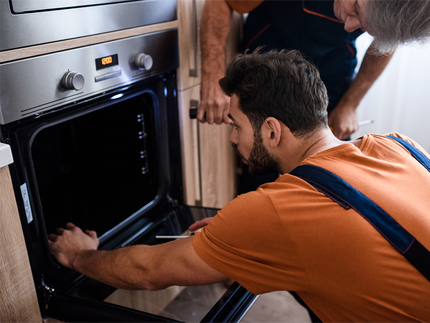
[[271, 131]]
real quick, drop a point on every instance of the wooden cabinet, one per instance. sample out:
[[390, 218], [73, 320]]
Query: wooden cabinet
[[189, 13], [18, 302], [208, 160]]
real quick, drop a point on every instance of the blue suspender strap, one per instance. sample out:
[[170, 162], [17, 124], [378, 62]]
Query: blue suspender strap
[[415, 152], [347, 196]]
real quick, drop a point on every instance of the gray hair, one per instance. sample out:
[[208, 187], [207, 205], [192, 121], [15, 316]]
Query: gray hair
[[396, 22]]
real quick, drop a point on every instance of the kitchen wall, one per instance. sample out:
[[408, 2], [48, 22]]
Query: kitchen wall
[[400, 99]]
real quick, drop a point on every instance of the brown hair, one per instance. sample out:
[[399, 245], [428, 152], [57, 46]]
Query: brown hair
[[279, 84]]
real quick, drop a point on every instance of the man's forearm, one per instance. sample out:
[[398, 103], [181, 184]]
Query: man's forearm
[[215, 27], [119, 268], [343, 119], [370, 69], [148, 267]]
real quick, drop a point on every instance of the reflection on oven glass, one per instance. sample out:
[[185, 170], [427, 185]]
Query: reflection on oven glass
[[187, 304]]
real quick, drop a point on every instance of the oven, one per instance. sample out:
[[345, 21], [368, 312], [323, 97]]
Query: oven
[[95, 137], [26, 23]]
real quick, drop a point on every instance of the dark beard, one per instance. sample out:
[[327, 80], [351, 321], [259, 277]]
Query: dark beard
[[260, 162]]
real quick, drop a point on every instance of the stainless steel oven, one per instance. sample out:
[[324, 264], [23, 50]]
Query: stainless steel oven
[[26, 23], [95, 137]]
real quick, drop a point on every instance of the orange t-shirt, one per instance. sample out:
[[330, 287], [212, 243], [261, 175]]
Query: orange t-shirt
[[286, 235]]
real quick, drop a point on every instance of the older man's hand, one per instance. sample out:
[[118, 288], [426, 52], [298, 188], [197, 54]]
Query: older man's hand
[[68, 243]]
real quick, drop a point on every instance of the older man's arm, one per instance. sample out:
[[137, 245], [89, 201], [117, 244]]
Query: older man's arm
[[343, 119]]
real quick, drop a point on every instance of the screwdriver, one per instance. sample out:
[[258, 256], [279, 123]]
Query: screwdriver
[[176, 237]]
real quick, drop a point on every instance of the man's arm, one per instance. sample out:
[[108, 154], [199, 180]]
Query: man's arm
[[343, 119], [216, 22], [135, 267]]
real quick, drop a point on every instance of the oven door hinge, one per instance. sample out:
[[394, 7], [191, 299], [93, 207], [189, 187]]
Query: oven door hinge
[[173, 203], [48, 291]]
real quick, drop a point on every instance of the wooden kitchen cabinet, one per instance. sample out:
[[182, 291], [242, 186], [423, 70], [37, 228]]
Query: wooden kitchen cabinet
[[189, 14], [18, 302], [208, 161]]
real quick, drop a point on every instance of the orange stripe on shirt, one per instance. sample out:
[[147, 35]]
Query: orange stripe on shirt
[[320, 15], [256, 36], [353, 53]]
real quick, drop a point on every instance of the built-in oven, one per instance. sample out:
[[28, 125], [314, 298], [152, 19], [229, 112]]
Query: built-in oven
[[26, 23], [94, 134]]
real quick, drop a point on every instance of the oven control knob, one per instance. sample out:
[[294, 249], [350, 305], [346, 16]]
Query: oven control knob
[[143, 61], [73, 81]]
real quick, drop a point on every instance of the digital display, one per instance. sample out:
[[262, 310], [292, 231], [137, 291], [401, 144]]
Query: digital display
[[106, 61]]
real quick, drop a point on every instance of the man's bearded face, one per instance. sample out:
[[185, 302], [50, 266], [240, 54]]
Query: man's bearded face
[[260, 162]]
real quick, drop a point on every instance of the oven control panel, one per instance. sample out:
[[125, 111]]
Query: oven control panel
[[143, 61], [39, 84], [73, 81]]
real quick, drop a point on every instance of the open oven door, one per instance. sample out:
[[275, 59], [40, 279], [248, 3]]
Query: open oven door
[[89, 300]]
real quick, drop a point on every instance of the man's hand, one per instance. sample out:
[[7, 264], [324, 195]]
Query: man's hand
[[68, 243], [214, 103], [200, 224], [343, 121]]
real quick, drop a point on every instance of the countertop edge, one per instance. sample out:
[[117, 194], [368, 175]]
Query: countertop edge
[[5, 155]]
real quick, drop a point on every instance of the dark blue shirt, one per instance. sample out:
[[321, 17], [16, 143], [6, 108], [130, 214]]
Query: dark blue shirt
[[312, 28]]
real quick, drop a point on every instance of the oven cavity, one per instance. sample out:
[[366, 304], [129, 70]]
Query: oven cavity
[[95, 170]]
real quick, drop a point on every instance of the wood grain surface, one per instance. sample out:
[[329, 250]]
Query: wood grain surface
[[18, 301], [37, 50]]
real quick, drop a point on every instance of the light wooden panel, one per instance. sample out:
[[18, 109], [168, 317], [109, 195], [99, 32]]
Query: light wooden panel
[[208, 161], [18, 301], [189, 14], [189, 147], [218, 171]]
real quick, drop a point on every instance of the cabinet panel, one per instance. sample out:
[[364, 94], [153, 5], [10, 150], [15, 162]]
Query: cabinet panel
[[218, 161], [189, 21], [208, 160], [18, 296], [190, 146], [189, 14]]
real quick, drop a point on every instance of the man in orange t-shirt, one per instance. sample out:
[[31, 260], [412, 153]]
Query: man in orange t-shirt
[[286, 235]]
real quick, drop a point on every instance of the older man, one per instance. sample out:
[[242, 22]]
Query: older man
[[325, 32]]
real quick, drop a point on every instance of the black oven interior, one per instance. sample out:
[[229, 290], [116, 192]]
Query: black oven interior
[[103, 164], [99, 168]]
